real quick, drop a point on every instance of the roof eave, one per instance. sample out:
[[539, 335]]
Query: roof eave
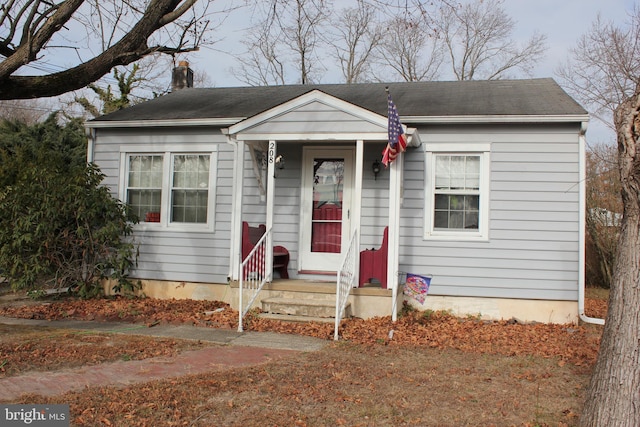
[[229, 121], [226, 121], [564, 118]]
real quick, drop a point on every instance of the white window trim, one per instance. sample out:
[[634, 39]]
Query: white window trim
[[168, 151], [484, 151]]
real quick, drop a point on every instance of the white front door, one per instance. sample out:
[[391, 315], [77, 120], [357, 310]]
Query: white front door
[[327, 184]]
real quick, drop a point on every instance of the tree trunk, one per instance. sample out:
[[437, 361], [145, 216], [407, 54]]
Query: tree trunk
[[613, 397]]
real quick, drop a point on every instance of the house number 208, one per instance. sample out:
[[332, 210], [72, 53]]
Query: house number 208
[[272, 151]]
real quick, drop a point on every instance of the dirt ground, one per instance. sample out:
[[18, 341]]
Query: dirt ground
[[436, 370]]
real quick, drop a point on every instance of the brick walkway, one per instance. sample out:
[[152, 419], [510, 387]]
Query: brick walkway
[[123, 373], [230, 349]]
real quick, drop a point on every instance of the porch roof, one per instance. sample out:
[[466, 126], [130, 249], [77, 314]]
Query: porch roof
[[417, 101]]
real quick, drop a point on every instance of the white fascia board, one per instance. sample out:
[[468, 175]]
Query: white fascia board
[[413, 140], [378, 136], [163, 123], [571, 118]]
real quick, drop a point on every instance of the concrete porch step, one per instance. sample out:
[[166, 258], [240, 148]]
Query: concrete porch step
[[302, 307], [298, 319]]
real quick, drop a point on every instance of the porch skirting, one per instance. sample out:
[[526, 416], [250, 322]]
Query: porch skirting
[[370, 302]]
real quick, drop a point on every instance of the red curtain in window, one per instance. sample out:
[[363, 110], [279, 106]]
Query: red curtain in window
[[326, 233]]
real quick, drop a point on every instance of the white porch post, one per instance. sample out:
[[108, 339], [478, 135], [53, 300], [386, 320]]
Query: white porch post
[[271, 170], [395, 199], [236, 211], [357, 205]]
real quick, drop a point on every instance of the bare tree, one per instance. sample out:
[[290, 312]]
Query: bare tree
[[28, 111], [36, 31], [608, 74], [359, 34], [613, 397], [478, 43], [409, 50], [605, 67], [288, 37], [603, 215], [304, 36], [263, 64]]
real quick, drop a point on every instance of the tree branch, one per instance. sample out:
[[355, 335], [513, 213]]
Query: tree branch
[[131, 47], [28, 48]]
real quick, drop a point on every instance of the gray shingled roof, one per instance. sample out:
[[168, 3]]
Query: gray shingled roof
[[538, 97]]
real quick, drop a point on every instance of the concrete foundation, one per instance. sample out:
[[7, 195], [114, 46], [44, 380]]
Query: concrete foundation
[[370, 302]]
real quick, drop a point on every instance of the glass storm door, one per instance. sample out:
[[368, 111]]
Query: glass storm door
[[326, 207]]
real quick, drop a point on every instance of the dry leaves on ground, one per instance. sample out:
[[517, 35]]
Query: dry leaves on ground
[[350, 385], [576, 344], [29, 348], [433, 369]]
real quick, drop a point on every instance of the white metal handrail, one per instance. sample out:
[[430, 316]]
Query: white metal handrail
[[346, 280], [253, 275]]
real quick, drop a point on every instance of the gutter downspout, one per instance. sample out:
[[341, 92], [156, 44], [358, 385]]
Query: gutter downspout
[[582, 234], [235, 247], [91, 142]]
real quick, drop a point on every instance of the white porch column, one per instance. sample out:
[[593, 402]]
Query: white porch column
[[395, 199], [357, 205], [271, 185], [236, 211]]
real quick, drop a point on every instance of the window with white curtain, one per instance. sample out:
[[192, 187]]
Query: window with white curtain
[[190, 188], [170, 189], [457, 191]]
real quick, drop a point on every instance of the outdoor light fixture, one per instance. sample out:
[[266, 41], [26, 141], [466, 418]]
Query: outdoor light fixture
[[280, 162], [375, 167]]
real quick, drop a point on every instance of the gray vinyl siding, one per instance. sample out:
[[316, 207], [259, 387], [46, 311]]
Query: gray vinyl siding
[[532, 248], [318, 119], [201, 256], [375, 199]]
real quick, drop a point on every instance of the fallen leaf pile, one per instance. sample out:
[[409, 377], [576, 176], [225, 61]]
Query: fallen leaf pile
[[595, 308], [136, 310], [576, 344]]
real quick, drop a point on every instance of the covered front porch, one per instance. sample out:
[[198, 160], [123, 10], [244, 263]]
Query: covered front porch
[[304, 170]]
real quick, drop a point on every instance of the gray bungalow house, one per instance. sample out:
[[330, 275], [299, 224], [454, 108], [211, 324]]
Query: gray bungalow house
[[487, 200]]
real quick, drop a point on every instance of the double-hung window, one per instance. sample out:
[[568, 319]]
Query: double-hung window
[[170, 189], [144, 185], [190, 188], [457, 191]]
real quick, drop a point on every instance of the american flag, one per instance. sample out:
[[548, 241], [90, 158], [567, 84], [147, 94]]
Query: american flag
[[397, 139]]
